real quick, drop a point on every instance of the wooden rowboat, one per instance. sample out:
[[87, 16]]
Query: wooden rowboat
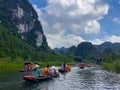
[[32, 78]]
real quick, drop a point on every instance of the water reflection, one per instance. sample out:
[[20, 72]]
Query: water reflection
[[93, 78]]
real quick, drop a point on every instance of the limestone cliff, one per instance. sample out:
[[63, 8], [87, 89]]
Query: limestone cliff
[[22, 15]]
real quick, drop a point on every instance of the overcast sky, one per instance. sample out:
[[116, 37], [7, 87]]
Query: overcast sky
[[70, 22]]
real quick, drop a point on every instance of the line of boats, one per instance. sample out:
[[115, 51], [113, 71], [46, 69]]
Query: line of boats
[[62, 70], [31, 78]]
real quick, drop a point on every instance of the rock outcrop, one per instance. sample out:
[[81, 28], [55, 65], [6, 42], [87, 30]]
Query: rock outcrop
[[22, 15]]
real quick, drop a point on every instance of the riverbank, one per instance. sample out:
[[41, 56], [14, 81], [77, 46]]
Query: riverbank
[[6, 66], [112, 66]]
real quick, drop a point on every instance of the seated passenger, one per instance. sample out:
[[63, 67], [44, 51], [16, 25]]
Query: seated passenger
[[36, 72], [46, 71], [53, 70], [67, 68]]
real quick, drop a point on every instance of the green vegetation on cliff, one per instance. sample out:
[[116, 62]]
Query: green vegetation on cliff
[[13, 48]]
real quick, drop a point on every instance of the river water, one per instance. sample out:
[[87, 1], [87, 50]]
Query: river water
[[92, 78]]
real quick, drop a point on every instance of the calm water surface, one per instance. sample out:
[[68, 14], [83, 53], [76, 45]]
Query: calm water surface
[[93, 78]]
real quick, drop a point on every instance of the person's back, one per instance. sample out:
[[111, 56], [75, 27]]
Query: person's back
[[67, 68], [35, 72], [46, 71], [52, 70]]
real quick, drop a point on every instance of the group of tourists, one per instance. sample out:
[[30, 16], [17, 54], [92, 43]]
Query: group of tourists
[[28, 66], [45, 71], [50, 70], [37, 74]]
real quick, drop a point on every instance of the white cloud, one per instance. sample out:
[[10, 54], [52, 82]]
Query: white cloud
[[75, 17], [112, 38], [117, 20], [96, 41], [69, 40], [64, 40]]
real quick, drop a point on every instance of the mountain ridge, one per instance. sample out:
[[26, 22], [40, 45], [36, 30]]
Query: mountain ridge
[[87, 51]]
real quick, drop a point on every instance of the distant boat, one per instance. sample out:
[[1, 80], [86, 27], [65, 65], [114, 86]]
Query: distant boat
[[81, 65], [88, 65], [28, 67]]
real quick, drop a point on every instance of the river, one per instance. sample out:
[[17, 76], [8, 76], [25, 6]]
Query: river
[[92, 78]]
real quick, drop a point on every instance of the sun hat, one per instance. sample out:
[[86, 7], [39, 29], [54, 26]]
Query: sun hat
[[53, 67], [37, 66]]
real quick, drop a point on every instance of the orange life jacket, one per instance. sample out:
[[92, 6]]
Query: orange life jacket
[[45, 71], [67, 67]]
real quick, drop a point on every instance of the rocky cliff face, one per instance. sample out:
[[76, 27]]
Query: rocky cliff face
[[21, 14]]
